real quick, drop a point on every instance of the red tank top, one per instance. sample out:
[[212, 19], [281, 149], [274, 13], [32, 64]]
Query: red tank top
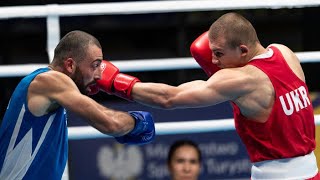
[[290, 128]]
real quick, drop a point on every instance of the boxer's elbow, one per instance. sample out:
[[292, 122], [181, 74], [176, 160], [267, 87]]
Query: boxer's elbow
[[165, 104], [117, 125], [161, 96], [110, 128], [167, 101]]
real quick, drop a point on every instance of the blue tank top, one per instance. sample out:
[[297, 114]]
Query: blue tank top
[[32, 147]]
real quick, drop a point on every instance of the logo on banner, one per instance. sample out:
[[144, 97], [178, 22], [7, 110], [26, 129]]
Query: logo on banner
[[119, 161]]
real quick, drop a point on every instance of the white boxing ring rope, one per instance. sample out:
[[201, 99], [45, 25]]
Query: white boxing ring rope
[[143, 64], [167, 128], [146, 7]]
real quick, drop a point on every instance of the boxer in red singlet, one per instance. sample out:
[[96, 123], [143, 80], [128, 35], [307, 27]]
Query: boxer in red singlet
[[266, 86]]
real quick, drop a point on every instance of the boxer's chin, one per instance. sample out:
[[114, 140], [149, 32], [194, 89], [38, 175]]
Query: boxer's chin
[[87, 90]]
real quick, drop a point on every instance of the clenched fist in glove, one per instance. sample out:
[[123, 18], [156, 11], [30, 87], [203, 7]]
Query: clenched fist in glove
[[115, 83], [143, 131]]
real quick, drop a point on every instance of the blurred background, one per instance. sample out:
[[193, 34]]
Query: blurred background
[[154, 36]]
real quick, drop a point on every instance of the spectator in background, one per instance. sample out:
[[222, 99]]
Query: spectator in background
[[184, 160]]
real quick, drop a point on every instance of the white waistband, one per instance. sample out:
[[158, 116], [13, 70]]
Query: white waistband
[[296, 168]]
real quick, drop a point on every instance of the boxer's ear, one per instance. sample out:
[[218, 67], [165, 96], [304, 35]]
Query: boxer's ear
[[244, 50]]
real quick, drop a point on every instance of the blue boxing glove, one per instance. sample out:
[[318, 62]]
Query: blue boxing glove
[[143, 131]]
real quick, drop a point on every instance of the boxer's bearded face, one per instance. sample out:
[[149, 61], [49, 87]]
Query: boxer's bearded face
[[88, 69], [79, 81]]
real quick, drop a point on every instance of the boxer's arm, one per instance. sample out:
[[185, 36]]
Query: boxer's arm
[[54, 88], [224, 85], [164, 96]]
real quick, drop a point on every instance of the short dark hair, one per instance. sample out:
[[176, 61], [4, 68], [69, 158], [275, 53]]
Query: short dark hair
[[235, 28], [184, 142], [74, 44]]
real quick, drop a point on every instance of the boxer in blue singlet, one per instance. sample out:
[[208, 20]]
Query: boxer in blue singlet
[[33, 133]]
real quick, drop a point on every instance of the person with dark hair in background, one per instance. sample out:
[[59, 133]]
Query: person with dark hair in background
[[265, 86], [184, 160], [33, 133]]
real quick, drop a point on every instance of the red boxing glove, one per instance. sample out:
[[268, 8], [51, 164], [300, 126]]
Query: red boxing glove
[[202, 53], [108, 74], [123, 85], [115, 83]]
